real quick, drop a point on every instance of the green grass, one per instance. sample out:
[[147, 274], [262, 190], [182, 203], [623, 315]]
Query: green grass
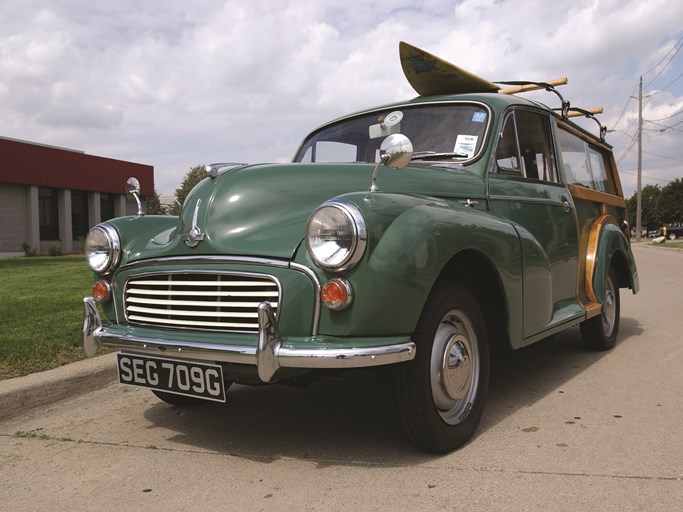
[[41, 312], [672, 245]]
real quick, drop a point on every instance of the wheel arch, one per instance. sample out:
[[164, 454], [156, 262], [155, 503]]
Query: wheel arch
[[475, 271], [614, 250]]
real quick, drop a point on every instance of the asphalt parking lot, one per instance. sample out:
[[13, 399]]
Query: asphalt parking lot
[[564, 429]]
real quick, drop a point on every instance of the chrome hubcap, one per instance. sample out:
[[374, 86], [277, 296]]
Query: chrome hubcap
[[457, 367], [609, 309], [454, 367]]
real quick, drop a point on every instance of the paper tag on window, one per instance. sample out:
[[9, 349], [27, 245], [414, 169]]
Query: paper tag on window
[[466, 144]]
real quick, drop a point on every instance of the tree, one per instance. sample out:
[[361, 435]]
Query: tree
[[670, 203], [649, 203], [193, 176], [153, 205]]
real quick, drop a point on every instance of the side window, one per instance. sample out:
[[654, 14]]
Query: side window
[[535, 145], [525, 147], [584, 164], [507, 153]]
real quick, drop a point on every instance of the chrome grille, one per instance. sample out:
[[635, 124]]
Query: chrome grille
[[224, 302]]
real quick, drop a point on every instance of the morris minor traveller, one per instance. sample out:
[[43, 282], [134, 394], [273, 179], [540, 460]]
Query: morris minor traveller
[[421, 234]]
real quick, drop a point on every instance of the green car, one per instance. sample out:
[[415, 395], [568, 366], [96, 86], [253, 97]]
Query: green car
[[422, 235]]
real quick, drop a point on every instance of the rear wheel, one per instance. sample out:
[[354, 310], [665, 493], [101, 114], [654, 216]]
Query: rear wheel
[[441, 393], [600, 332]]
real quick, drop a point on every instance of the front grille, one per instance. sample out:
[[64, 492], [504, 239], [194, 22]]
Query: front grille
[[224, 302]]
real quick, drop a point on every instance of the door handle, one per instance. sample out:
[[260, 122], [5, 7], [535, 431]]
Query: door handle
[[566, 205]]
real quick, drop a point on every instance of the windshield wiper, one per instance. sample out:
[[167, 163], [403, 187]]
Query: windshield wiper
[[433, 155]]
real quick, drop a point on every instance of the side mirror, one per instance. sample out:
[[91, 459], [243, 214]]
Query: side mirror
[[133, 188], [395, 153]]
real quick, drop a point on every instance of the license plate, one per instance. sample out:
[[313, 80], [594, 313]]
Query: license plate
[[199, 380]]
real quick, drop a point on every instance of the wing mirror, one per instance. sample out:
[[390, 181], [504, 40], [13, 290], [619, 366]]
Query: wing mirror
[[395, 153], [133, 189]]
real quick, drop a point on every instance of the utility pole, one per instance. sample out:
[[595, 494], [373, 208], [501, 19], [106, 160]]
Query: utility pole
[[639, 201]]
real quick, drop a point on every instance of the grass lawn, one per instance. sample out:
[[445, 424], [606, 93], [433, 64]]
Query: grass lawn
[[672, 245], [41, 312]]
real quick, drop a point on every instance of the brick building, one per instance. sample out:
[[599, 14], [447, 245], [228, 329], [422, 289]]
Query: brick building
[[51, 195]]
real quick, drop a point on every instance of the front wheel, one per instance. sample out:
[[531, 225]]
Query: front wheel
[[600, 332], [441, 392]]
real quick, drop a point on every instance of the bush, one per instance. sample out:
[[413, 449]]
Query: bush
[[28, 250], [55, 250]]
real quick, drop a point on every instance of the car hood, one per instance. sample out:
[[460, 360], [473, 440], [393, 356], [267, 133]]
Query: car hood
[[262, 210]]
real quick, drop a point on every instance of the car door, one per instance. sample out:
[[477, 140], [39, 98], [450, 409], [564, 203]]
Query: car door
[[525, 188]]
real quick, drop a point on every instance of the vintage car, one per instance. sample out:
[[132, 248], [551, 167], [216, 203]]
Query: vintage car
[[422, 234]]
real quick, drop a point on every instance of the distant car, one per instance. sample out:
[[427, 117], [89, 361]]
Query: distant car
[[506, 224], [672, 232]]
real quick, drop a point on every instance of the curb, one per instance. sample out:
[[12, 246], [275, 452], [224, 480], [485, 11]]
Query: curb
[[23, 395], [656, 247]]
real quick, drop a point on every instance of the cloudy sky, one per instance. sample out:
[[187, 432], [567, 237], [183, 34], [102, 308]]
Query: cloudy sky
[[176, 83]]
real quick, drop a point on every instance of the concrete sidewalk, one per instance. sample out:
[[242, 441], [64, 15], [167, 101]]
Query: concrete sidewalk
[[22, 395]]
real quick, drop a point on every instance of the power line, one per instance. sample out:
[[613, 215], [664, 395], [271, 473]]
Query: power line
[[665, 118], [626, 151], [665, 157], [628, 100], [677, 48], [671, 83], [646, 177], [663, 126]]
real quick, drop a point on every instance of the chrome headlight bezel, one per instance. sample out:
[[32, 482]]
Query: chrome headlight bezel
[[350, 225], [102, 248]]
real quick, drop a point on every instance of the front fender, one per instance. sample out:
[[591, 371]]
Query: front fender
[[148, 235], [408, 249]]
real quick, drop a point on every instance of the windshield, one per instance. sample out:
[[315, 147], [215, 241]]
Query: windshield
[[453, 131]]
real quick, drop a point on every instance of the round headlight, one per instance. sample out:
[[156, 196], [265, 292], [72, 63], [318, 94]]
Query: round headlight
[[102, 248], [336, 235]]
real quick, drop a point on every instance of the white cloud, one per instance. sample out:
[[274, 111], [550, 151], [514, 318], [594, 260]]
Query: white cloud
[[174, 83]]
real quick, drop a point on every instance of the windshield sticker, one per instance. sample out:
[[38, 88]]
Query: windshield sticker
[[393, 118], [466, 144], [390, 124], [479, 117]]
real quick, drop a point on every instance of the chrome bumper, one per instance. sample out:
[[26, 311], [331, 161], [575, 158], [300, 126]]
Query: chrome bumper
[[268, 355]]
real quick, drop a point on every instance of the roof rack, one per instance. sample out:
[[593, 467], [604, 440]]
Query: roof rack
[[523, 86], [590, 113]]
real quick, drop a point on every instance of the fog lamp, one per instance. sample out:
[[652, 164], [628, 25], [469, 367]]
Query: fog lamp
[[336, 294], [101, 291]]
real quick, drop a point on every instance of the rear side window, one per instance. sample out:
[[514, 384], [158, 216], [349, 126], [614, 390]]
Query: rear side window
[[584, 164]]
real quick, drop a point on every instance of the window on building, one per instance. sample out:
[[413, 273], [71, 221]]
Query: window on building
[[48, 213], [107, 206], [79, 213]]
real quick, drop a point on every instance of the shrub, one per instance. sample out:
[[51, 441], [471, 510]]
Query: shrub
[[28, 250], [55, 250]]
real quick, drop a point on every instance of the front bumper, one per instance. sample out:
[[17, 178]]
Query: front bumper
[[268, 355]]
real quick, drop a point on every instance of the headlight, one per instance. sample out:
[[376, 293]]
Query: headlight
[[336, 235], [102, 248]]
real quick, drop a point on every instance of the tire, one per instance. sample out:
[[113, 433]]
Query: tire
[[441, 393], [182, 400], [672, 236], [600, 332]]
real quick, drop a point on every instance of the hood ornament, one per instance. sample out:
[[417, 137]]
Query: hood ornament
[[194, 235]]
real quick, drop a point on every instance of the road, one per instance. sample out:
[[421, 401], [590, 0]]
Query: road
[[564, 429]]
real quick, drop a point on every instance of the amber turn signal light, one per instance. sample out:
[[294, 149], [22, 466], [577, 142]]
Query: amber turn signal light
[[101, 291], [336, 294]]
